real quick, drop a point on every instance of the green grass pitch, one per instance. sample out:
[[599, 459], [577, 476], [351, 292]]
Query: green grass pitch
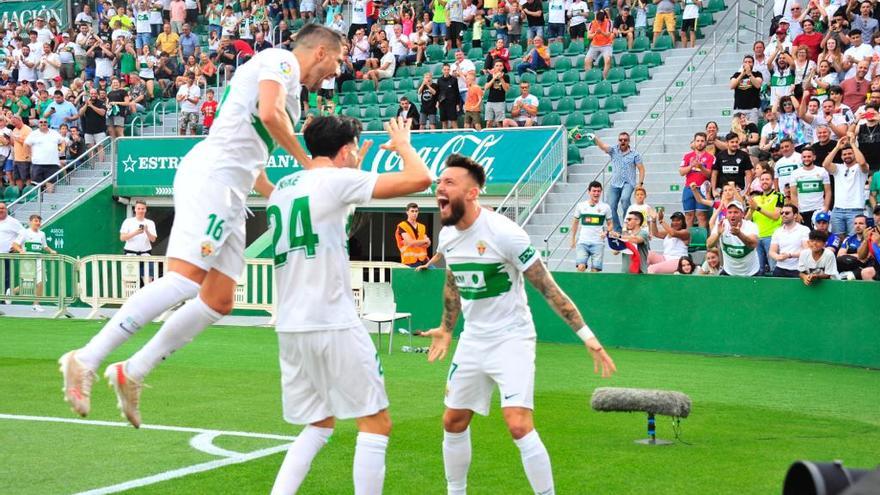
[[751, 418]]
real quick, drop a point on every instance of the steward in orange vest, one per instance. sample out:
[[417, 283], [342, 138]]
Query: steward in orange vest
[[412, 240]]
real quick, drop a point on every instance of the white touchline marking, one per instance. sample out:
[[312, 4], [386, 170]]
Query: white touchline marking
[[203, 441]]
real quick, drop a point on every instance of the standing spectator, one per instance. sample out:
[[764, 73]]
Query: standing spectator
[[6, 163], [193, 8], [66, 51], [188, 96], [787, 243], [412, 239], [85, 16], [746, 86], [809, 38], [847, 255], [178, 15], [428, 93], [786, 164], [209, 110], [189, 43], [781, 77], [496, 88], [139, 233], [50, 63], [75, 145], [454, 24], [142, 25], [856, 53], [589, 226], [636, 235], [577, 24], [21, 154], [439, 21], [33, 240], [524, 112], [168, 42], [665, 16], [676, 238], [696, 167], [43, 146], [358, 17], [816, 263], [765, 210], [849, 184], [472, 104], [865, 21], [448, 99], [731, 165], [94, 122], [737, 239], [601, 43], [460, 69], [556, 20], [407, 110], [810, 188], [498, 54], [534, 11], [118, 103], [499, 22], [61, 111], [10, 230], [538, 58], [867, 133], [639, 205], [514, 23], [855, 89], [689, 22], [624, 162], [624, 27]]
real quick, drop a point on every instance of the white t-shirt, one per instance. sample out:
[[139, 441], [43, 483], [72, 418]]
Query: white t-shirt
[[557, 12], [530, 100], [739, 259], [140, 242], [104, 66], [237, 128], [849, 187], [579, 10], [188, 92], [32, 242], [49, 72], [26, 73], [487, 260], [691, 10], [827, 263], [359, 12], [784, 168], [142, 21], [592, 220], [859, 53], [44, 147], [311, 263], [463, 68], [10, 229], [790, 240], [810, 186], [388, 59], [44, 35]]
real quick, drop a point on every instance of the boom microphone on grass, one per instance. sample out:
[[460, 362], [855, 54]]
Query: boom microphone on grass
[[665, 402], [809, 478]]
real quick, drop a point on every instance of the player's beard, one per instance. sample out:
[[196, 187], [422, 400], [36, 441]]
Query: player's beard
[[456, 212]]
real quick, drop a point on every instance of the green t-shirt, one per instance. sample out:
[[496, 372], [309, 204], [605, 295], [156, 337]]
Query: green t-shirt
[[127, 63], [21, 109], [42, 106], [439, 12], [875, 186]]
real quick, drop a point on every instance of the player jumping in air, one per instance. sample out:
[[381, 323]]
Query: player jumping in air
[[206, 248], [487, 257], [329, 367]]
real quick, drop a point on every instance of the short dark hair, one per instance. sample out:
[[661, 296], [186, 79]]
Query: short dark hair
[[794, 209], [639, 216], [835, 89], [58, 93], [140, 202], [326, 135], [855, 31], [818, 235], [786, 139], [593, 184], [313, 35], [861, 216], [34, 217], [701, 134], [410, 206], [474, 169], [731, 135], [749, 57]]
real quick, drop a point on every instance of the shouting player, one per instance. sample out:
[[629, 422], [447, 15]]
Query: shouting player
[[206, 247], [487, 258], [329, 367]]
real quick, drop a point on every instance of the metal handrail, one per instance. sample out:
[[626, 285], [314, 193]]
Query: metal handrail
[[535, 162], [71, 167], [651, 110], [137, 118], [76, 201]]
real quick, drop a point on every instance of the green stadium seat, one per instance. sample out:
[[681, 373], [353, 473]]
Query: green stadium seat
[[715, 6], [574, 119], [614, 104], [386, 97], [349, 99], [556, 92], [599, 120], [386, 85], [405, 72], [566, 105], [549, 76], [615, 75], [574, 155], [544, 106], [593, 76], [10, 194], [297, 24], [516, 51], [602, 90], [652, 59], [706, 19], [368, 99], [551, 119], [475, 53], [580, 90], [556, 49], [652, 11], [640, 73], [619, 45], [372, 112], [698, 239], [626, 88], [629, 60], [413, 97], [528, 77], [391, 111], [512, 93], [419, 72], [589, 105], [663, 43], [434, 53], [562, 64], [353, 112], [27, 189], [571, 77], [640, 44], [575, 48], [375, 125]]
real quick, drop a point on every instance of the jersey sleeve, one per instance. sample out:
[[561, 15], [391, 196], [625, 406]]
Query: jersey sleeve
[[826, 179], [517, 248], [353, 187], [124, 229], [277, 66], [802, 260]]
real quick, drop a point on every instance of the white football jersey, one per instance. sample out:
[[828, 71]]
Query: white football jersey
[[308, 213], [238, 138], [32, 242], [487, 260]]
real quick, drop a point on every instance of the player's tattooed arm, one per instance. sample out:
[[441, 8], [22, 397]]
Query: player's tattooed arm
[[451, 303], [542, 280]]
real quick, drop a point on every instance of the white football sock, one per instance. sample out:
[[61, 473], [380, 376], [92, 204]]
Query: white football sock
[[457, 460], [299, 459], [180, 329], [142, 307], [369, 463], [536, 462]]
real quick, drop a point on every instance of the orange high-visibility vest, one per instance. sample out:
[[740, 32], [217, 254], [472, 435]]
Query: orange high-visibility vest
[[410, 254]]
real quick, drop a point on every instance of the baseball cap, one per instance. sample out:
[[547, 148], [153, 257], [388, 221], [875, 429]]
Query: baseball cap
[[65, 35], [736, 204], [823, 217], [57, 78], [40, 81]]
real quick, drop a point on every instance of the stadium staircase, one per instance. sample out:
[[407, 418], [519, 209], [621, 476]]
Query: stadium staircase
[[687, 91]]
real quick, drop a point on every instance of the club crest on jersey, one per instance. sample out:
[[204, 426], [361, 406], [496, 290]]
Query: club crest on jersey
[[207, 249], [285, 68], [481, 247]]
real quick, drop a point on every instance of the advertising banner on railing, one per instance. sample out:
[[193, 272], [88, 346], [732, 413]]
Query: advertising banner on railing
[[22, 13], [146, 166]]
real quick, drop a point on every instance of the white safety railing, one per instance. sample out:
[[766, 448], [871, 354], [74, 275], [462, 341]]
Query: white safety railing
[[39, 278], [528, 194]]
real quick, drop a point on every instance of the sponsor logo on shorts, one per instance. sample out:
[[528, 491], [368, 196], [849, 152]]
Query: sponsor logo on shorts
[[207, 249]]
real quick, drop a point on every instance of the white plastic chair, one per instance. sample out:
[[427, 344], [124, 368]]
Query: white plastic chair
[[379, 307]]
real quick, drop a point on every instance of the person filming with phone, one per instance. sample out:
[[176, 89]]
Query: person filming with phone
[[139, 233]]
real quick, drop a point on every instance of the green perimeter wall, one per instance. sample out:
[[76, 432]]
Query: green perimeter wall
[[834, 322], [90, 228]]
